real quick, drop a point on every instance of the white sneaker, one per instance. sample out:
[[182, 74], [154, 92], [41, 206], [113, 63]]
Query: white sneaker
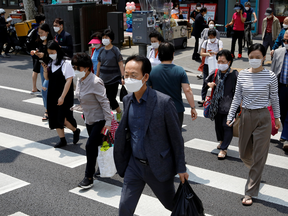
[[200, 76], [6, 55]]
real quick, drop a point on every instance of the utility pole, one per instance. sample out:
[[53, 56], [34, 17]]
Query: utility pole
[[29, 7]]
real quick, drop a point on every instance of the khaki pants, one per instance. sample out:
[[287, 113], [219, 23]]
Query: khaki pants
[[254, 140]]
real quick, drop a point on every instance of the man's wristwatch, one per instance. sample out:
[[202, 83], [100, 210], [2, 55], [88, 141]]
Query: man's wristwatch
[[122, 77]]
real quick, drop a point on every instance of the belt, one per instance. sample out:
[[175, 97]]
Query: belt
[[281, 84], [145, 162]]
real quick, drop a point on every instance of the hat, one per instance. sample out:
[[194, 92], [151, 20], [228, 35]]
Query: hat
[[268, 11], [237, 8], [95, 41]]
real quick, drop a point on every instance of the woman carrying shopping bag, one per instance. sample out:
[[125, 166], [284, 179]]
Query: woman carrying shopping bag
[[256, 87], [91, 93]]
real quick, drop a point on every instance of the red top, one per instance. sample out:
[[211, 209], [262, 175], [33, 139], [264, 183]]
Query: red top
[[269, 25], [238, 24], [93, 49]]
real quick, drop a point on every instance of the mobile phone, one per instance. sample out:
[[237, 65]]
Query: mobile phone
[[37, 49], [41, 61], [231, 123]]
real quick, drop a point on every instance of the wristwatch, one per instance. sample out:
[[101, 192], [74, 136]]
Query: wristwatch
[[122, 77], [193, 107]]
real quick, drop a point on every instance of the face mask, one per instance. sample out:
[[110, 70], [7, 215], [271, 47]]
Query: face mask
[[97, 45], [246, 8], [133, 85], [204, 15], [56, 29], [223, 67], [211, 26], [237, 10], [198, 8], [285, 26], [212, 40], [269, 16], [155, 45], [53, 56], [43, 38], [286, 46], [255, 63], [106, 42], [79, 74]]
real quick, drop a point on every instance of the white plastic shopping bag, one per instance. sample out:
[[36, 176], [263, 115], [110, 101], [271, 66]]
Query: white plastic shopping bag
[[212, 64]]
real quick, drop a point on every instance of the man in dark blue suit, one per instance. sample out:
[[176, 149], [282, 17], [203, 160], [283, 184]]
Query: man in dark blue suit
[[198, 27], [63, 38], [149, 147]]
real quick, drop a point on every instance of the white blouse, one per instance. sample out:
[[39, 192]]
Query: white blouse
[[154, 61], [67, 68]]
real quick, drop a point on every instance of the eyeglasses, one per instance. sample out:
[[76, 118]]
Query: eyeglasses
[[284, 41]]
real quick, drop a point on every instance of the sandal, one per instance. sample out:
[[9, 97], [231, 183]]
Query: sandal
[[35, 92], [219, 146], [222, 156], [45, 117], [245, 199]]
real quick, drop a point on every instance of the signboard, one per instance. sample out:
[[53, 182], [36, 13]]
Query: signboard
[[192, 7], [106, 1], [185, 12], [211, 11], [138, 7]]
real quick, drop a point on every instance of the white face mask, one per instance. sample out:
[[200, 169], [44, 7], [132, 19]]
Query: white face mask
[[286, 46], [106, 42], [269, 16], [212, 40], [223, 67], [198, 8], [133, 85], [53, 56], [155, 45], [285, 26], [238, 10], [211, 26], [255, 63], [97, 45], [56, 29], [43, 38], [204, 15], [79, 74], [246, 8]]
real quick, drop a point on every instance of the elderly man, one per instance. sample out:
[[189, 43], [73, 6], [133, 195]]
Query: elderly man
[[149, 148], [280, 68], [279, 41]]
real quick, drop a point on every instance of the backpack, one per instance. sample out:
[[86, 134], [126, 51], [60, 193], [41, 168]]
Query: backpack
[[31, 38]]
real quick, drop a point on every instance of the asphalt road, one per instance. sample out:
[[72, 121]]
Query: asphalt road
[[36, 179]]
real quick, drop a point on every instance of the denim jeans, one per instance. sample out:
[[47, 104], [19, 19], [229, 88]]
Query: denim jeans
[[45, 84]]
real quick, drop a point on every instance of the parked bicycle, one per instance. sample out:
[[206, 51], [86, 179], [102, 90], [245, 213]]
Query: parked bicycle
[[247, 39]]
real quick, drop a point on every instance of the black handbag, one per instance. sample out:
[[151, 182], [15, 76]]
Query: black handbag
[[123, 93], [186, 202]]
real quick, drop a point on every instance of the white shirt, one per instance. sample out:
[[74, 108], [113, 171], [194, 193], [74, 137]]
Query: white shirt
[[154, 61], [67, 68], [214, 47]]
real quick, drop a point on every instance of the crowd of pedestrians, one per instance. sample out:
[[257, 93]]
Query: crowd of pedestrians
[[149, 147]]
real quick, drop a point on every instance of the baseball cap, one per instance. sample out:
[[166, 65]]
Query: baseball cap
[[268, 11]]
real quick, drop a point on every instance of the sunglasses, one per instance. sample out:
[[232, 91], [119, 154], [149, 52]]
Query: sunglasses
[[284, 41]]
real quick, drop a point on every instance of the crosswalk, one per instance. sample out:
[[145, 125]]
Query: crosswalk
[[108, 193]]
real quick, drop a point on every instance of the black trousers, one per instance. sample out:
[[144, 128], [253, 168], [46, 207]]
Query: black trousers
[[238, 35], [94, 140], [267, 41], [111, 92], [196, 54], [181, 118], [204, 86], [135, 179], [224, 133], [2, 42], [283, 102]]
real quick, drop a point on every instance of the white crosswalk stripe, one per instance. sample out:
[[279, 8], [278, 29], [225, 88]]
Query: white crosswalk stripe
[[18, 214], [9, 183]]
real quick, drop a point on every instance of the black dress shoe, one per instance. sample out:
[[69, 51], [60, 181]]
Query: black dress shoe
[[76, 135]]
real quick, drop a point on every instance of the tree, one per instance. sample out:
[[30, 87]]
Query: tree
[[30, 9]]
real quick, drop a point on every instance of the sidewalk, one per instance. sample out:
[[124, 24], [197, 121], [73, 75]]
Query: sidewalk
[[183, 57]]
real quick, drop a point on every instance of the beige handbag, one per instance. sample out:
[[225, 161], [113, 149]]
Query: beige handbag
[[236, 126]]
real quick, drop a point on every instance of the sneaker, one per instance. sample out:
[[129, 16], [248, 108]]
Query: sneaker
[[233, 56], [61, 144], [200, 76], [6, 55], [86, 183], [76, 135], [239, 56], [285, 146], [119, 116], [97, 174]]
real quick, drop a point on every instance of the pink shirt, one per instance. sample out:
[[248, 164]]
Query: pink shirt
[[238, 24]]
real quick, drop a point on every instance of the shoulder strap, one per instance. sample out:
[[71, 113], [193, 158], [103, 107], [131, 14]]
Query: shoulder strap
[[214, 81]]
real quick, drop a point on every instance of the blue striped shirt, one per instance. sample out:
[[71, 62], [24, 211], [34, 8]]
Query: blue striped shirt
[[284, 72]]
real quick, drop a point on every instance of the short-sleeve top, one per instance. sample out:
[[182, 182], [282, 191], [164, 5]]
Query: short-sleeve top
[[249, 13], [109, 70], [167, 78], [67, 69], [214, 47], [238, 24]]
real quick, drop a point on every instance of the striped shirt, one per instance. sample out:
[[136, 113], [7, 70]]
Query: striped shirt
[[284, 72], [255, 90]]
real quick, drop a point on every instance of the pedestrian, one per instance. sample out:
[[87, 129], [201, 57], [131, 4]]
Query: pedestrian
[[209, 48], [41, 54], [91, 94], [249, 11], [149, 148], [181, 15], [156, 38], [32, 45], [63, 38], [111, 70], [270, 29], [3, 35], [171, 79], [279, 41], [238, 19], [60, 96], [256, 86], [199, 25], [195, 12], [96, 43], [280, 68], [224, 88], [204, 36]]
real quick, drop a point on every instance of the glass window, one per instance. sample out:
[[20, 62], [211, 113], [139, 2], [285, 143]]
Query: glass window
[[281, 7], [13, 2], [3, 2]]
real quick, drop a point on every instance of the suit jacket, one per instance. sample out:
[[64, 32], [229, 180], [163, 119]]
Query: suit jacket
[[199, 26], [163, 142], [278, 59], [66, 42]]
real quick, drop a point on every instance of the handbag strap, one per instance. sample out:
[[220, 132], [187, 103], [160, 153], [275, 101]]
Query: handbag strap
[[214, 82]]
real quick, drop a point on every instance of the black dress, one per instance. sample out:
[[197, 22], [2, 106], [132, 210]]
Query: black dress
[[57, 114]]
